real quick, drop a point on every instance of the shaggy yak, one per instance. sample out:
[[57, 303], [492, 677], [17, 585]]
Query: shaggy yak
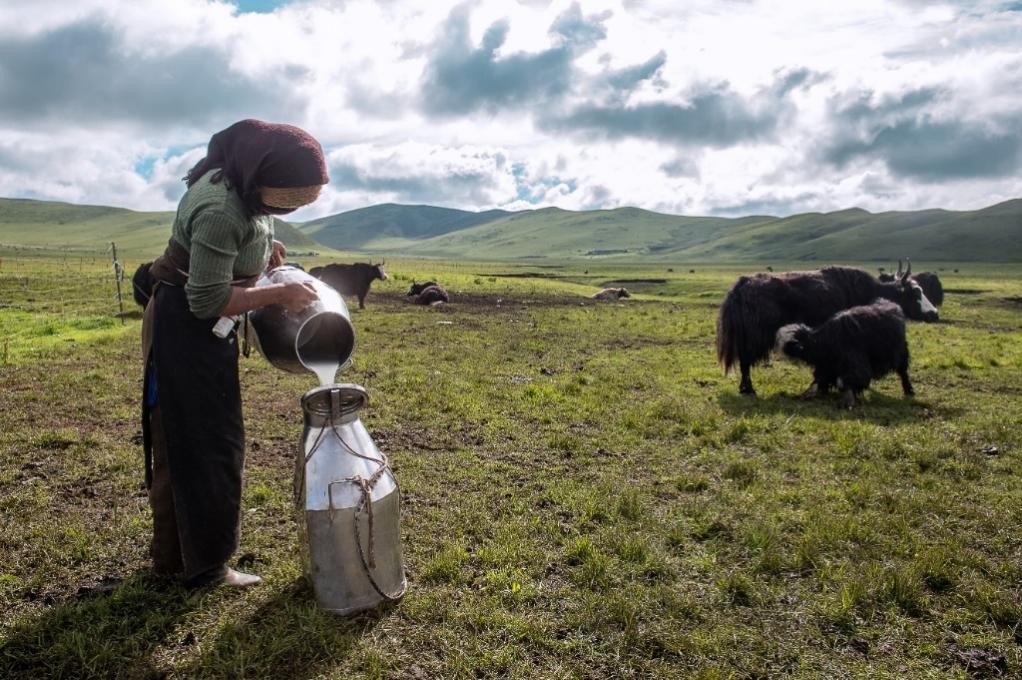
[[850, 349], [426, 293], [611, 294], [757, 306], [142, 284], [350, 279], [417, 288], [928, 281]]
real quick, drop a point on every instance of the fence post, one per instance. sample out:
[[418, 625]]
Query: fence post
[[117, 277]]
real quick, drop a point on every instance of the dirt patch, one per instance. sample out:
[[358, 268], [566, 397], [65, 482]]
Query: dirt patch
[[646, 341], [965, 291], [633, 281], [525, 275]]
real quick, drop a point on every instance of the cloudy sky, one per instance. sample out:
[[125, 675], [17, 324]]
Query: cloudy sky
[[722, 107]]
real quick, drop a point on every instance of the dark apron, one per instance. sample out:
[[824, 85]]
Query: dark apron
[[191, 386]]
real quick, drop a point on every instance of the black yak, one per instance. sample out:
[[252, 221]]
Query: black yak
[[430, 295], [350, 279], [850, 349], [611, 294], [427, 293], [928, 281], [142, 284], [417, 288], [756, 306]]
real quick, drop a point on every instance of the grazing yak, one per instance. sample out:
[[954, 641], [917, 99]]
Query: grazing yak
[[142, 284], [757, 306], [611, 294], [850, 349], [350, 279], [928, 281]]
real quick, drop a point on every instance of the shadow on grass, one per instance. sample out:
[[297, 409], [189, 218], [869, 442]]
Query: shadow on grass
[[873, 406], [288, 636], [117, 634], [112, 634]]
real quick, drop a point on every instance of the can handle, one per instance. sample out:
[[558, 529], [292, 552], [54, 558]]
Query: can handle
[[330, 496]]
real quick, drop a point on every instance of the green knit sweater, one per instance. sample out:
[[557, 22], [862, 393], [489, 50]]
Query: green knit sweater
[[222, 241]]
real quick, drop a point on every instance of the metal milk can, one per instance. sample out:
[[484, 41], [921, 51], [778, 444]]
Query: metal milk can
[[350, 501], [320, 338]]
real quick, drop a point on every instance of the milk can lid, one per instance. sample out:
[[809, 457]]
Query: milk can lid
[[337, 403]]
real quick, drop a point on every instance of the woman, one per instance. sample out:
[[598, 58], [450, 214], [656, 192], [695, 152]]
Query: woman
[[222, 239]]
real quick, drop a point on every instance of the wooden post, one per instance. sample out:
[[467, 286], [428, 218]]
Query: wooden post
[[117, 278]]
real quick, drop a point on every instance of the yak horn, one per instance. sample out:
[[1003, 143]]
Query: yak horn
[[899, 268], [908, 271]]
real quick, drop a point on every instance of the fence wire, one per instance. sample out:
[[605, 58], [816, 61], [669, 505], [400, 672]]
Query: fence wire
[[54, 293]]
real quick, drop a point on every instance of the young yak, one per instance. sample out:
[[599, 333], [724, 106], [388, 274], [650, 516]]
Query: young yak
[[850, 349]]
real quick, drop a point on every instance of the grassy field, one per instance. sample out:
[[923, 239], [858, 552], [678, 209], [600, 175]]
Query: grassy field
[[584, 494]]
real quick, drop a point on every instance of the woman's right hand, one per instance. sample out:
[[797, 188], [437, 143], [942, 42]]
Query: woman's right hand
[[297, 295]]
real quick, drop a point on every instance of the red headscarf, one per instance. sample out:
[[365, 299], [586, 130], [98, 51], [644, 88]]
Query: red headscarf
[[253, 153]]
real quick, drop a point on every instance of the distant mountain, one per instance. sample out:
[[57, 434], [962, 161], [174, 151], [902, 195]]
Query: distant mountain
[[356, 229], [287, 234], [993, 234], [54, 224]]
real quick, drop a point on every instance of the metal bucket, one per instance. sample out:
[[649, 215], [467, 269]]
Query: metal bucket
[[350, 505], [320, 338]]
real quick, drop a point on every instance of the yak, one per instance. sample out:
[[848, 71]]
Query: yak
[[611, 294], [427, 293], [430, 295], [417, 288], [350, 279], [757, 306], [142, 284], [850, 349], [928, 281]]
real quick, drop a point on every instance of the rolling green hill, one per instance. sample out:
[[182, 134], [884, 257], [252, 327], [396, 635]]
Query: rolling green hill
[[993, 234], [359, 229], [49, 224]]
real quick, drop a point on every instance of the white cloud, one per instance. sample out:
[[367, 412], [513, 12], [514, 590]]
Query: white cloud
[[149, 81]]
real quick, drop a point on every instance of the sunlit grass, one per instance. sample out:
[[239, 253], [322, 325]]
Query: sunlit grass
[[584, 494]]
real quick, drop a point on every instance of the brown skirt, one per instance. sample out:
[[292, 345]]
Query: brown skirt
[[197, 398]]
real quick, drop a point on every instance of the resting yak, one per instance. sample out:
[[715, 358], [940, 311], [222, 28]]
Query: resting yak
[[417, 288], [142, 284], [928, 281], [850, 349], [428, 293], [757, 306], [350, 279], [611, 294]]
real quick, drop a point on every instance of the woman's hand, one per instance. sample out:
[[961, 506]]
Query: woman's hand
[[297, 295], [278, 255], [293, 296]]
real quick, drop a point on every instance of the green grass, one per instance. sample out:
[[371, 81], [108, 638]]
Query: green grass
[[30, 227], [584, 494]]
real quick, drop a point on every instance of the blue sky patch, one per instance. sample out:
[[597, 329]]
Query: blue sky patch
[[144, 167], [263, 6]]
